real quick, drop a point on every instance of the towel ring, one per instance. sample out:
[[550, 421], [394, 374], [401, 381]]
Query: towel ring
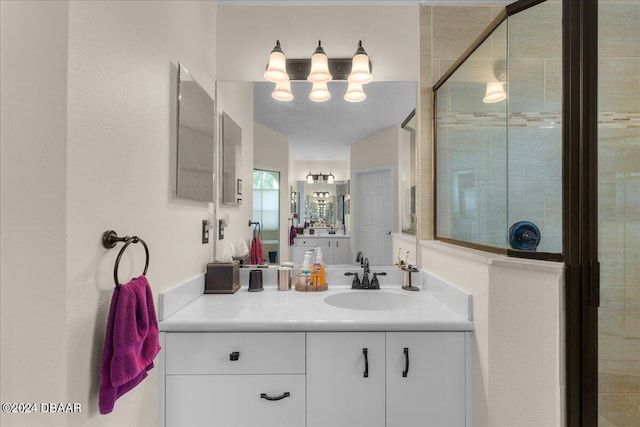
[[109, 239]]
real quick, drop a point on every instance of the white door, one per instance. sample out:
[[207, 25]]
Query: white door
[[374, 218], [345, 379], [426, 379]]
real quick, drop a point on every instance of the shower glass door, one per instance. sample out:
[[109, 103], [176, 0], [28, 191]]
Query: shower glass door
[[619, 212]]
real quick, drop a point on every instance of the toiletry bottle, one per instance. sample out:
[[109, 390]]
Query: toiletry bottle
[[322, 278], [306, 265], [315, 272]]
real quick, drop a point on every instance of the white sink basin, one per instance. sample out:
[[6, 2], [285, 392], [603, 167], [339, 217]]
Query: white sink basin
[[374, 300]]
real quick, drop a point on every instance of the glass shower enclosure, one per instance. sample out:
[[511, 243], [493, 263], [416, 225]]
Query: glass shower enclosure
[[498, 124]]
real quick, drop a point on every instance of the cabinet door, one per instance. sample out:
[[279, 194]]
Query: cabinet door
[[338, 392], [234, 400], [341, 251], [433, 391]]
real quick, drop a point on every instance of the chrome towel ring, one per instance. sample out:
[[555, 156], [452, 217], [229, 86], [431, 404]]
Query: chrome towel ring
[[109, 240]]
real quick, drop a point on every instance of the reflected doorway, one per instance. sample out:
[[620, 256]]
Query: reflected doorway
[[266, 210], [374, 215]]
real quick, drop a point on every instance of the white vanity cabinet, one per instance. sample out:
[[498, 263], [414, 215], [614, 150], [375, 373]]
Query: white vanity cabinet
[[345, 386], [234, 379], [335, 250], [423, 385], [433, 392]]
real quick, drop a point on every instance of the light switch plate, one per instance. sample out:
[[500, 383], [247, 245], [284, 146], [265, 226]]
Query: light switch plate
[[205, 232]]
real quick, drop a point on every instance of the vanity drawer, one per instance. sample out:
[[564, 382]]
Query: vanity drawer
[[215, 353], [235, 400], [305, 242]]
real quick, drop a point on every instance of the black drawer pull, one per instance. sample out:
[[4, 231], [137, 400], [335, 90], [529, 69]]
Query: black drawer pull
[[406, 362], [282, 396], [234, 356], [366, 362]]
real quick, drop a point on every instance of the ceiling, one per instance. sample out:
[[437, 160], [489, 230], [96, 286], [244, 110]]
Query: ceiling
[[325, 131]]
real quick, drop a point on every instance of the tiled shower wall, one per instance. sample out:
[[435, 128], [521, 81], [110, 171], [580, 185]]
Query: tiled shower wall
[[619, 212]]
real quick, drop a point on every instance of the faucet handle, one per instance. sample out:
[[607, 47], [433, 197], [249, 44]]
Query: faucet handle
[[375, 284], [355, 284]]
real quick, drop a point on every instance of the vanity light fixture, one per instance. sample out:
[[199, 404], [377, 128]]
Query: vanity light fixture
[[495, 89], [282, 92], [494, 93], [360, 67], [320, 92], [322, 194], [354, 93], [319, 70], [311, 178], [277, 67], [319, 66]]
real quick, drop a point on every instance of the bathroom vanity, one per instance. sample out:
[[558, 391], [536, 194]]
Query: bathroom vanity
[[337, 358], [335, 247]]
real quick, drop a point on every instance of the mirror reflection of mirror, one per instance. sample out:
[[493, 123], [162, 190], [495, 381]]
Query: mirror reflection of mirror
[[231, 161], [195, 139], [408, 174], [321, 205]]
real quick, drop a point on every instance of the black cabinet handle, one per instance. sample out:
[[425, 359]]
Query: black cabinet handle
[[234, 356], [406, 362], [366, 362], [282, 396]]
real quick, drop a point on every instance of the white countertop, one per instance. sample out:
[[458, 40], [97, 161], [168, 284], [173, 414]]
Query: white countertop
[[273, 310]]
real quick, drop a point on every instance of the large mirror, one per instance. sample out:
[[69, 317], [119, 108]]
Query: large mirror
[[195, 139], [358, 143]]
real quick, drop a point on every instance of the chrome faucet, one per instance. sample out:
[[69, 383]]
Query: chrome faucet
[[360, 259]]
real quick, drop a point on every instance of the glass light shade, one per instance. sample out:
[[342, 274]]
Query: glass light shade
[[330, 178], [319, 92], [277, 67], [310, 178], [360, 69], [282, 92], [319, 67], [354, 93], [495, 93]]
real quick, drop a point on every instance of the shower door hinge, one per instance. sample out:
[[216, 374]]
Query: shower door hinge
[[594, 283]]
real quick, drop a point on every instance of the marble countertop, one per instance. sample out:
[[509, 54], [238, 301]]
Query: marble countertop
[[274, 310]]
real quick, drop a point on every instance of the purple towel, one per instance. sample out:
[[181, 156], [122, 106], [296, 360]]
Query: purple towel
[[131, 342], [292, 235]]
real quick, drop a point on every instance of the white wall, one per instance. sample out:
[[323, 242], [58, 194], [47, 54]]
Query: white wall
[[113, 98], [518, 340], [272, 152], [33, 134], [389, 34], [236, 99]]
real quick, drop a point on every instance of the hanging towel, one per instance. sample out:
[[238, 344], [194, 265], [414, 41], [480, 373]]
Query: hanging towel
[[131, 342], [256, 251], [292, 235]]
